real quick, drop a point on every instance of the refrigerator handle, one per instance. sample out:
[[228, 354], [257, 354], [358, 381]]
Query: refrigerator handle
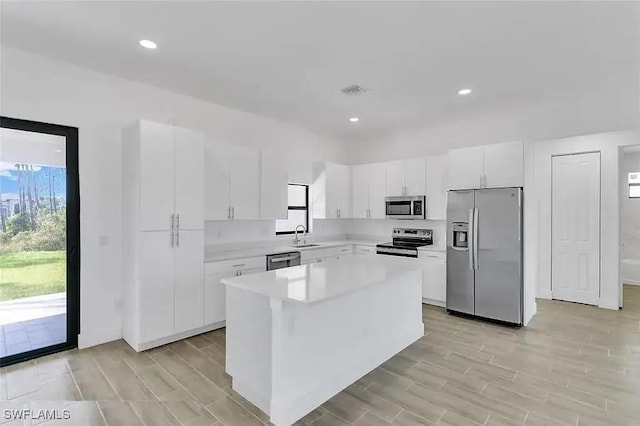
[[519, 215], [470, 238], [475, 238]]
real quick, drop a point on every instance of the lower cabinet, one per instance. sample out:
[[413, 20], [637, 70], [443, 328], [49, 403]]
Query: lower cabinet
[[214, 291], [434, 277], [324, 254], [363, 250]]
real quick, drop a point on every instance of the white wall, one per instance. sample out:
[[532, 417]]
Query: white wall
[[561, 117], [40, 89], [630, 214], [608, 144]]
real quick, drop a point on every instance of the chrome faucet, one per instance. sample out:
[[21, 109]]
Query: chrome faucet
[[296, 240]]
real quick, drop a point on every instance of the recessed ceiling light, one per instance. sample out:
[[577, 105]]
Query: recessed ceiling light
[[354, 119], [148, 44], [464, 91]]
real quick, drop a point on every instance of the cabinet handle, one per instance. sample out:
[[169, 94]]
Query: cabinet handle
[[178, 238], [233, 213], [172, 238], [178, 222], [173, 218], [229, 213], [238, 265]]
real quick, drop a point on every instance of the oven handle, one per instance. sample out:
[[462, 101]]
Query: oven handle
[[283, 259]]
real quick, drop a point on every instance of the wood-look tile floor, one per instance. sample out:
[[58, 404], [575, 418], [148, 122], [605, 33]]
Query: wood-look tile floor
[[572, 365]]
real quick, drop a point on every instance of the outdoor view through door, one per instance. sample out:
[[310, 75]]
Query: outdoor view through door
[[38, 235]]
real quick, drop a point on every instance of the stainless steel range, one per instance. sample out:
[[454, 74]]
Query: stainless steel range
[[406, 242]]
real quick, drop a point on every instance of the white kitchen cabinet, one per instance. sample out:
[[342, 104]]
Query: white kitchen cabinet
[[155, 283], [189, 256], [434, 276], [214, 291], [324, 254], [274, 180], [245, 184], [232, 183], [436, 187], [331, 191], [363, 250], [163, 171], [466, 168], [405, 177], [504, 165], [487, 166], [368, 191]]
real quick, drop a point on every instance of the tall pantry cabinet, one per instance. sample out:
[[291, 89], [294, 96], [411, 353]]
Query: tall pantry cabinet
[[163, 217]]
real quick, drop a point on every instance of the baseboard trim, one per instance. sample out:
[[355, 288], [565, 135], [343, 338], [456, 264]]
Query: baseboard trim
[[89, 338], [434, 302], [143, 346]]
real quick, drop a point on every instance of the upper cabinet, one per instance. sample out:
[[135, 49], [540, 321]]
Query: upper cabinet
[[274, 180], [488, 166], [368, 191], [169, 174], [331, 191], [436, 187], [405, 177], [232, 183]]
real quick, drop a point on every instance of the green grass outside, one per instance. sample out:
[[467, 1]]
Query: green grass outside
[[33, 273]]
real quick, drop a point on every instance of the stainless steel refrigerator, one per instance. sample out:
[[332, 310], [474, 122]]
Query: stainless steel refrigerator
[[484, 253]]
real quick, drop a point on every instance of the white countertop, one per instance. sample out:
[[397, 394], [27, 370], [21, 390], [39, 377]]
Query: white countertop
[[321, 281], [216, 254]]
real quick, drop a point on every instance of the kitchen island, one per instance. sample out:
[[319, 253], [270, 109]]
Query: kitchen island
[[298, 336]]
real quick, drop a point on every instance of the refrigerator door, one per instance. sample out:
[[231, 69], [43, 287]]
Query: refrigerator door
[[460, 289], [499, 254]]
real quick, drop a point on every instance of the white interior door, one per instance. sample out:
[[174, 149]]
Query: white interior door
[[575, 228]]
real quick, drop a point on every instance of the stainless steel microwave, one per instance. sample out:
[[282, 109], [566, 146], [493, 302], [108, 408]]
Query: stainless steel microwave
[[406, 207]]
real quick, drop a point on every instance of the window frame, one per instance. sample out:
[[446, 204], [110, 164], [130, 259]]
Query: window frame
[[289, 207], [632, 185]]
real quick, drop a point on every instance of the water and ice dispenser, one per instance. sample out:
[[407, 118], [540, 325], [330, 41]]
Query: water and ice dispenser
[[460, 235]]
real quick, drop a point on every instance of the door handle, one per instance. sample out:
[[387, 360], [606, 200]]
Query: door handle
[[475, 238], [470, 237]]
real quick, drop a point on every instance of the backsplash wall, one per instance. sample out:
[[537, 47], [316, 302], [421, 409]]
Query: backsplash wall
[[247, 231]]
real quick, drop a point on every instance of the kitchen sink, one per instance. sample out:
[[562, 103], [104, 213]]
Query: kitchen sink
[[305, 245]]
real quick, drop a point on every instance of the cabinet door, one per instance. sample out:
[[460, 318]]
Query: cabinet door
[[414, 176], [217, 171], [215, 297], [156, 176], [245, 184], [334, 192], [437, 187], [504, 165], [466, 168], [273, 187], [360, 191], [394, 178], [156, 275], [189, 182], [189, 271], [434, 282], [377, 190]]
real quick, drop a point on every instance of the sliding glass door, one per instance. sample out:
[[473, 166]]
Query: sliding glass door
[[39, 239]]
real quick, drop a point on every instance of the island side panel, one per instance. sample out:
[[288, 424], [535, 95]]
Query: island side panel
[[321, 348], [248, 347]]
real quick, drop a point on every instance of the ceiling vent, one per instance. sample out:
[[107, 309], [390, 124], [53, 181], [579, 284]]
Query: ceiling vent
[[353, 90]]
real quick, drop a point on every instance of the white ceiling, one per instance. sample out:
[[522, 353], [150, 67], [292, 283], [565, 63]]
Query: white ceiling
[[288, 60]]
